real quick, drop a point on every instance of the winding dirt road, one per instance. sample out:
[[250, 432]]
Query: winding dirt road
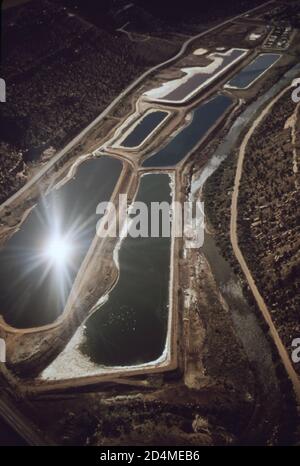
[[238, 254]]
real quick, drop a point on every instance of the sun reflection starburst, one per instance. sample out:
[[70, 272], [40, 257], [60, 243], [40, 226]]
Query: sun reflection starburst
[[48, 259], [58, 250]]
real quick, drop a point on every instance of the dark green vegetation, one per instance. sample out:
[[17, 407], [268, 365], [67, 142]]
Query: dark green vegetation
[[12, 166], [287, 11], [268, 221], [157, 17], [56, 87], [268, 224]]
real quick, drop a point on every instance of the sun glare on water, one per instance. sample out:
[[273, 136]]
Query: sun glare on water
[[58, 250]]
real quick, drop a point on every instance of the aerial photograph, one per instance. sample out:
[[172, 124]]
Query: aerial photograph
[[150, 226]]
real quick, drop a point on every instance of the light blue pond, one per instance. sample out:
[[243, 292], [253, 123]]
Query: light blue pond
[[253, 71]]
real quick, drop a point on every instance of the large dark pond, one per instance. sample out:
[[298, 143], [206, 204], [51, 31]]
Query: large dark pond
[[203, 118], [131, 327], [39, 263]]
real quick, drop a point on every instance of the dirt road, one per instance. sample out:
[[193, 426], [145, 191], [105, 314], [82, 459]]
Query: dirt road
[[238, 254]]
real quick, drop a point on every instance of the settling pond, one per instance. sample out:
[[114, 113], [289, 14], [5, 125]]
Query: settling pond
[[130, 328], [204, 117], [35, 281], [253, 71], [144, 128]]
